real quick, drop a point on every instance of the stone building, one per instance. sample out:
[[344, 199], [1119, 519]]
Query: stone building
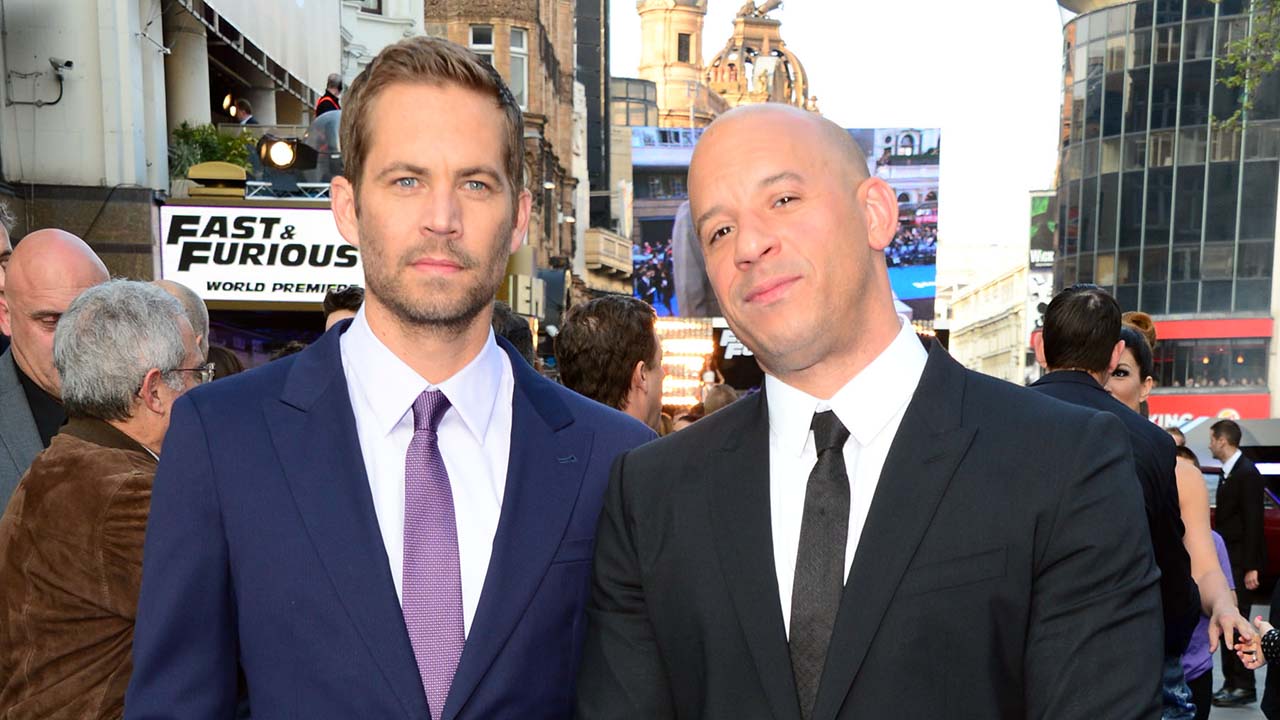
[[754, 66]]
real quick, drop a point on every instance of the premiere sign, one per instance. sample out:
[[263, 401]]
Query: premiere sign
[[256, 253]]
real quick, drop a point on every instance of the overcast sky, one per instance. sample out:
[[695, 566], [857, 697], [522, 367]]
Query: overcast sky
[[987, 73]]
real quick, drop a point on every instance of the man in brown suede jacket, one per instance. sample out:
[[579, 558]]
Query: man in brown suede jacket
[[71, 537]]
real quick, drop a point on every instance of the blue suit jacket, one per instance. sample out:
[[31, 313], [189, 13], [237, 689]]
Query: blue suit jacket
[[263, 554]]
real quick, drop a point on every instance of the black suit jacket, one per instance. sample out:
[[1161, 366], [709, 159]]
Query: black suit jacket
[[1004, 571], [1238, 517], [1155, 456]]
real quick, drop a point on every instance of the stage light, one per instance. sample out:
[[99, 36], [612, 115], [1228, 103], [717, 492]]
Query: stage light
[[285, 153], [227, 103]]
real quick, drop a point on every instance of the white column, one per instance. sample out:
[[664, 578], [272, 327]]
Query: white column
[[154, 107], [124, 146], [263, 100], [186, 70]]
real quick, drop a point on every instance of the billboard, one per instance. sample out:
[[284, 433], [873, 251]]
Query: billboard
[[670, 273], [252, 253]]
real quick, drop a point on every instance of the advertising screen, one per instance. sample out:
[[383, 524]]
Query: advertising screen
[[669, 270]]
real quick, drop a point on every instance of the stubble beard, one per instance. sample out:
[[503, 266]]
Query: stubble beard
[[434, 306]]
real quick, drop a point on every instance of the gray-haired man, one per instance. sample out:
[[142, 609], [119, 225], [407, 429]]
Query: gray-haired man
[[71, 538]]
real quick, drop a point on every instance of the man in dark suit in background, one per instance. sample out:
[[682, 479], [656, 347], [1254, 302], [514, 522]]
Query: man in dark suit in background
[[878, 514], [47, 270], [396, 522], [1081, 347], [1238, 520]]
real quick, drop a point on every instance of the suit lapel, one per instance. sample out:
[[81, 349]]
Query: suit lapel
[[743, 531], [549, 455], [313, 429], [924, 455], [18, 433]]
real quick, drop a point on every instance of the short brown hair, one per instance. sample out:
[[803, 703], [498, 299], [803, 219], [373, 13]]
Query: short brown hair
[[348, 298], [600, 342], [431, 61], [1227, 430]]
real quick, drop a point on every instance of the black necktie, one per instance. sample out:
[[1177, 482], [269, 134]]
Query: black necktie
[[819, 581]]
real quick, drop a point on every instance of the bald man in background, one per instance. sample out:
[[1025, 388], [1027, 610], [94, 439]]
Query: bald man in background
[[880, 530], [47, 270], [194, 308]]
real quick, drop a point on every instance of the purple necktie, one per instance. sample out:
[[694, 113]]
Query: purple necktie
[[432, 581]]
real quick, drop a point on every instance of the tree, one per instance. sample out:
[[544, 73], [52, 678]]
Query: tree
[[1251, 58]]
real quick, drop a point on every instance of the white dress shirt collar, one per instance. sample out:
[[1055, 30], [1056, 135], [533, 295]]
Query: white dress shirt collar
[[390, 385], [865, 405], [1230, 464]]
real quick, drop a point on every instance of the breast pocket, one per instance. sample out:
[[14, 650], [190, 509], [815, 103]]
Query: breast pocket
[[954, 572], [574, 551]]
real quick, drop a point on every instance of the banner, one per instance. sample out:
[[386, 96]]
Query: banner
[[256, 253]]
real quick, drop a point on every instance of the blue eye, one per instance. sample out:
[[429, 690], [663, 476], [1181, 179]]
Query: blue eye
[[476, 185], [407, 182]]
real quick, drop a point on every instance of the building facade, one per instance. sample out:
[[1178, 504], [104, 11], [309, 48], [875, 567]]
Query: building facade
[[94, 90], [755, 64], [1172, 212], [989, 326], [370, 25]]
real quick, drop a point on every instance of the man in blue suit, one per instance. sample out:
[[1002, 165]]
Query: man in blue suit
[[398, 521]]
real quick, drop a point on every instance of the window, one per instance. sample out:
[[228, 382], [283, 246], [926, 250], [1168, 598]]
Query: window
[[1168, 44], [1191, 146], [1135, 152], [1224, 145], [519, 80], [1262, 141], [1230, 31], [1198, 43], [1238, 364], [482, 42], [1115, 54], [373, 7], [682, 47], [1161, 154], [1140, 49]]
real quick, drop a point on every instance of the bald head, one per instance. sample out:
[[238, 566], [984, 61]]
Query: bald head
[[793, 228], [48, 269], [194, 307], [768, 120]]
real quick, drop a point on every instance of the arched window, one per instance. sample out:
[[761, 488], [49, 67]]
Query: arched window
[[906, 145], [904, 198], [932, 196]]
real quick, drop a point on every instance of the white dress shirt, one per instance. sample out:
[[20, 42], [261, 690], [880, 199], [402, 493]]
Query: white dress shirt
[[870, 406], [475, 442], [1230, 464]]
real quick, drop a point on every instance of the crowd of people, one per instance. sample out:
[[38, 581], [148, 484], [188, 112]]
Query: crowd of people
[[653, 278], [913, 245], [404, 518]]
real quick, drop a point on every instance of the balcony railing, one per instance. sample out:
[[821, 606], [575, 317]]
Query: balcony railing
[[607, 251]]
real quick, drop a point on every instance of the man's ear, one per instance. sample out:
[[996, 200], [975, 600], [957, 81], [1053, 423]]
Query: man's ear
[[639, 376], [1116, 352], [524, 206], [342, 200], [150, 392], [880, 208], [4, 317], [1037, 342]]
